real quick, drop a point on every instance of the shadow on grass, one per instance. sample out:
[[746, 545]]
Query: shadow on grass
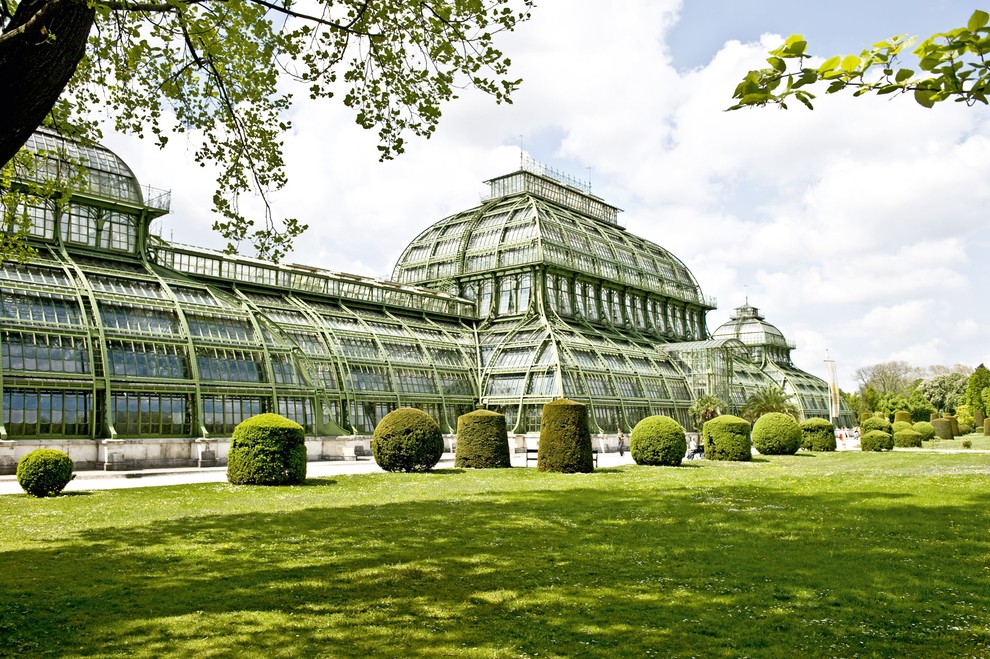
[[577, 570]]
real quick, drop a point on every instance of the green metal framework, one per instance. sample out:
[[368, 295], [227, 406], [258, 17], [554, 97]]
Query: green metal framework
[[538, 293]]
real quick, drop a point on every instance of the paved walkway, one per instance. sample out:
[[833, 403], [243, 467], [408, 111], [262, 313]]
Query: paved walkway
[[110, 480]]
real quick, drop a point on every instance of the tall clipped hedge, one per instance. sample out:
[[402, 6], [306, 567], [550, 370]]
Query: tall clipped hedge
[[776, 433], [44, 472], [817, 435], [875, 423], [658, 440], [986, 427], [726, 437], [565, 441], [267, 449], [925, 429], [407, 439], [902, 415], [907, 439], [943, 428], [954, 422], [863, 416], [876, 440], [482, 441]]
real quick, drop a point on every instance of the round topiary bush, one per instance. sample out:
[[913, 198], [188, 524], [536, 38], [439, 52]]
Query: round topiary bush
[[482, 441], [876, 440], [965, 429], [726, 437], [907, 439], [407, 440], [776, 433], [925, 429], [943, 428], [267, 449], [817, 435], [902, 415], [44, 472], [875, 423], [658, 440], [565, 441], [901, 425]]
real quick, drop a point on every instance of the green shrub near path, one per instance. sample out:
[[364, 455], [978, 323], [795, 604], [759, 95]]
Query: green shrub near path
[[902, 416], [727, 437], [44, 472], [407, 439], [659, 441], [907, 439], [901, 425], [777, 433], [267, 449], [817, 435], [925, 429], [954, 422], [565, 440], [876, 440], [943, 428], [482, 441], [875, 423]]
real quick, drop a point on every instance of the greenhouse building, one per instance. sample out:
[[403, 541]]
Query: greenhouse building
[[127, 350]]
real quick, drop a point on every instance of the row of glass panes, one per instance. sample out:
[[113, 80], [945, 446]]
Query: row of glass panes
[[220, 268], [44, 353]]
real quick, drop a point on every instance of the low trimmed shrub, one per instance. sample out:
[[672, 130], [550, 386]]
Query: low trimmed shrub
[[965, 429], [658, 440], [925, 429], [776, 433], [44, 472], [817, 435], [875, 423], [267, 449], [943, 428], [565, 440], [902, 415], [907, 439], [876, 440], [967, 443], [727, 437], [407, 439], [482, 441], [901, 425]]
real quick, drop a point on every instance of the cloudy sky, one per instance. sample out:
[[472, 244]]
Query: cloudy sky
[[859, 228]]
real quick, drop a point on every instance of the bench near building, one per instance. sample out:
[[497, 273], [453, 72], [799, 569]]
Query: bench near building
[[127, 351]]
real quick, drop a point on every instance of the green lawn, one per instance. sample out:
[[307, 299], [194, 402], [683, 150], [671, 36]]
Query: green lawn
[[845, 554], [978, 440]]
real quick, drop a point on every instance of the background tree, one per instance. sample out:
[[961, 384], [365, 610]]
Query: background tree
[[945, 391], [770, 398], [978, 383], [950, 65], [894, 377], [160, 67]]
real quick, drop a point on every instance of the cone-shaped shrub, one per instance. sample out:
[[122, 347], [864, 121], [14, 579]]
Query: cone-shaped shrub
[[565, 441], [658, 440], [978, 419], [776, 433], [986, 427], [902, 415], [925, 429], [44, 472], [482, 440], [953, 422], [876, 440], [267, 449], [902, 425], [817, 435], [875, 423], [863, 416], [943, 428], [907, 439], [407, 440], [727, 438]]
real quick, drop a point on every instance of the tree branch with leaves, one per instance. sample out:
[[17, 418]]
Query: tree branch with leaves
[[950, 65]]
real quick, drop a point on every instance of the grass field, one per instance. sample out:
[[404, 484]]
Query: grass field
[[845, 554]]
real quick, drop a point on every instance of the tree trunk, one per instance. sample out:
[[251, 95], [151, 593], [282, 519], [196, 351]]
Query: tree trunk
[[39, 51]]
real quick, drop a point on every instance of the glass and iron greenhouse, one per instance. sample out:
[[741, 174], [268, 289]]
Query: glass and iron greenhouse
[[110, 334]]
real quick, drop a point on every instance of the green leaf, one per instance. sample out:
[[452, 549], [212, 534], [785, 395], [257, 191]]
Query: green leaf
[[978, 19], [850, 63], [777, 63], [829, 64], [924, 97], [903, 75]]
